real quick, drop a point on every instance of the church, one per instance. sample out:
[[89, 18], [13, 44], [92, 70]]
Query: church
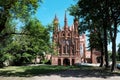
[[69, 45]]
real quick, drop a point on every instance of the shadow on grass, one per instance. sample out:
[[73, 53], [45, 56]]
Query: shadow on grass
[[63, 71]]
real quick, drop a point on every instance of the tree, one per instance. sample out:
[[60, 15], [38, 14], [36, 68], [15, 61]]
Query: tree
[[23, 48], [114, 19], [10, 11], [92, 16], [16, 9], [3, 44], [106, 14], [38, 36]]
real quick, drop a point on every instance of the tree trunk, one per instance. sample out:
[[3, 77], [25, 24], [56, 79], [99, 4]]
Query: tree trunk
[[1, 64], [1, 28], [114, 46], [102, 55], [101, 49], [113, 55], [105, 46], [105, 25], [91, 50]]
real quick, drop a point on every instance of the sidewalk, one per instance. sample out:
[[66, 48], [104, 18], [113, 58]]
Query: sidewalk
[[89, 64]]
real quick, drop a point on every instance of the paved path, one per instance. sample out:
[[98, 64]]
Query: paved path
[[69, 75], [58, 77]]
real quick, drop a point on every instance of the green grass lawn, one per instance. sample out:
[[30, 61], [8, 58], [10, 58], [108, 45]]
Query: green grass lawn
[[26, 71], [32, 70]]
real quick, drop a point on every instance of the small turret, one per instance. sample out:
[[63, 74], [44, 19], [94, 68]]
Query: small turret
[[76, 23], [55, 23]]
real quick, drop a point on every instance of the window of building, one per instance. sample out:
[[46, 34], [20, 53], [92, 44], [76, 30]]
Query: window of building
[[73, 50], [68, 34], [81, 50], [64, 49], [63, 34], [68, 49]]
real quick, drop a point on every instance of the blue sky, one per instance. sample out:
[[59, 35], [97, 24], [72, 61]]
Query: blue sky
[[49, 8], [46, 13]]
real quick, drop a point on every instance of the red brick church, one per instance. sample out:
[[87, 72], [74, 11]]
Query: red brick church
[[69, 46]]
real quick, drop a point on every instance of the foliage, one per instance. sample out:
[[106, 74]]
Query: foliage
[[10, 11], [3, 44], [17, 9], [23, 48], [38, 35], [101, 17], [74, 11]]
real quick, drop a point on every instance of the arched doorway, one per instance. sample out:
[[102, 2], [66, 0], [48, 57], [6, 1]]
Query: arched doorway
[[98, 60], [66, 62], [59, 61], [73, 61]]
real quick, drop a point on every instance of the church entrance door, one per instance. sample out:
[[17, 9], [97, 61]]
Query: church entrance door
[[66, 62]]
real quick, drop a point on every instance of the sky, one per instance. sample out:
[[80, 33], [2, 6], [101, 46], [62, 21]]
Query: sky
[[47, 10]]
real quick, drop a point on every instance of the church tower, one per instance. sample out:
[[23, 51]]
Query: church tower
[[76, 23], [55, 24]]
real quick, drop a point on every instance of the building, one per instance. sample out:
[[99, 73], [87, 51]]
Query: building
[[69, 46]]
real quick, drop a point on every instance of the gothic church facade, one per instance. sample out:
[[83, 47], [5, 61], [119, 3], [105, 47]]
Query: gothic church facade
[[69, 46]]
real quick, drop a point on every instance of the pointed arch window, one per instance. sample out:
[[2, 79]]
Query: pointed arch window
[[64, 49], [63, 34], [68, 34]]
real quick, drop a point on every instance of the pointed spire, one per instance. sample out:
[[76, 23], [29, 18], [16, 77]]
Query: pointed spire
[[65, 21]]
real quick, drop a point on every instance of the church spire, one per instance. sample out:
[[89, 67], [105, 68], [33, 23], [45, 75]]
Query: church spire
[[65, 21]]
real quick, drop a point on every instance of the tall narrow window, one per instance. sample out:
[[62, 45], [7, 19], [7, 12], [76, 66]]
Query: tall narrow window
[[73, 50], [63, 34], [64, 49], [68, 49]]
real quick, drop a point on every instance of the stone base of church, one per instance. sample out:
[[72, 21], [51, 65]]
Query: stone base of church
[[65, 60]]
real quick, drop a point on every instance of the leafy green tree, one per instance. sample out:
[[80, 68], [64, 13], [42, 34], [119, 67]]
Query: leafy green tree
[[114, 21], [4, 42], [92, 19], [105, 14], [16, 9], [10, 11], [38, 36], [33, 40]]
